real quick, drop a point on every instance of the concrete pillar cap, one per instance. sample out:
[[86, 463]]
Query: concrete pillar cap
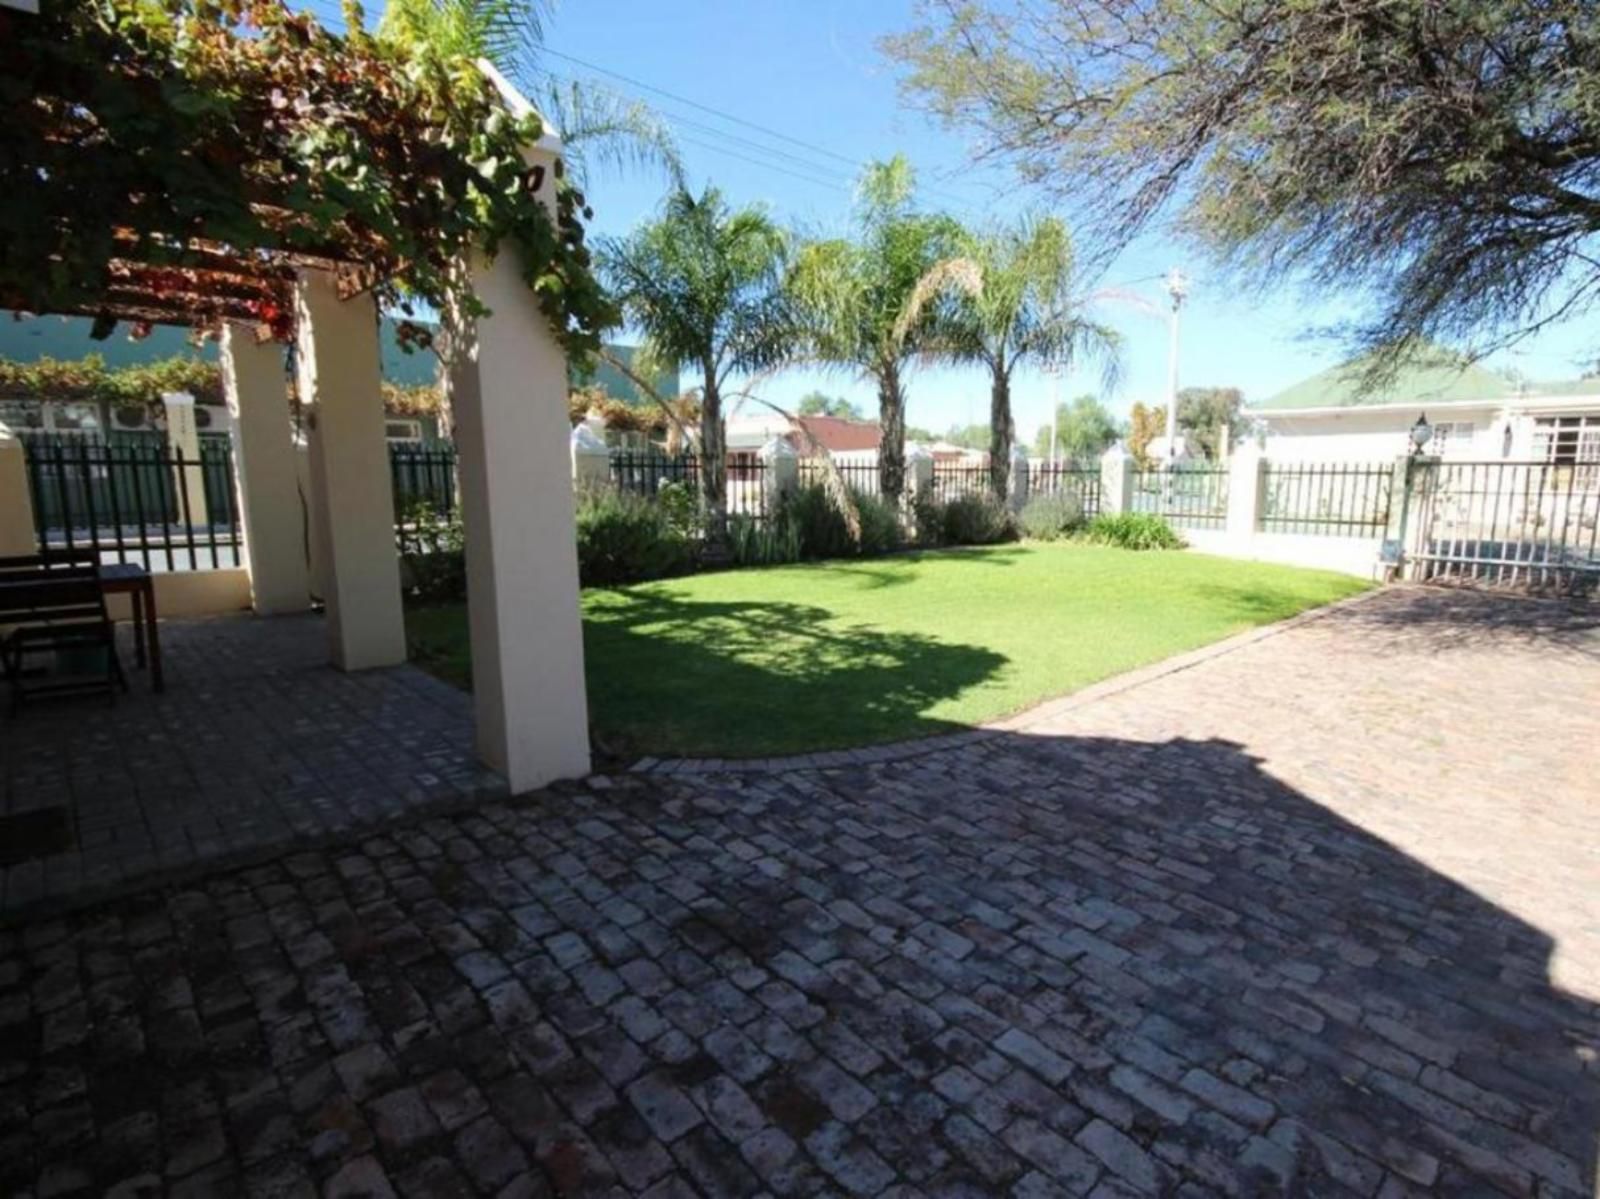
[[586, 441], [917, 452], [777, 447]]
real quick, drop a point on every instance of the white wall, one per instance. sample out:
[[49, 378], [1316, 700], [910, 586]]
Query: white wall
[[1357, 436]]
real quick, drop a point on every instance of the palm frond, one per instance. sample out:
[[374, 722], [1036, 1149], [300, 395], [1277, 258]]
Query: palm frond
[[604, 130]]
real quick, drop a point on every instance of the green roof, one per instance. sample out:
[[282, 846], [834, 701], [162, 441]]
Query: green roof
[[66, 338], [1438, 378]]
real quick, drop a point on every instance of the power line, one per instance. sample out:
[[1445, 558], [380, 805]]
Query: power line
[[706, 108], [678, 119], [327, 10], [768, 166]]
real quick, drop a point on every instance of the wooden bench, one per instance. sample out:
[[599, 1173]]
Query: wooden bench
[[52, 608]]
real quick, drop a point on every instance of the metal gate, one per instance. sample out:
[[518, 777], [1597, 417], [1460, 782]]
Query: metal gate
[[1517, 524]]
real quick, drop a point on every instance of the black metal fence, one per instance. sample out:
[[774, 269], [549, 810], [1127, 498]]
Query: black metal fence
[[1328, 499], [423, 477], [1063, 478], [1520, 524], [1190, 497], [138, 502], [647, 474], [862, 477], [951, 480]]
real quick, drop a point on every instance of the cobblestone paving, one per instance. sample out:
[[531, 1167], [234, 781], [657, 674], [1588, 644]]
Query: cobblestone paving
[[1280, 923], [255, 743]]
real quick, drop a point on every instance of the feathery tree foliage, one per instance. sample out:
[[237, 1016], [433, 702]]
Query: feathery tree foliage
[[1012, 296], [1085, 429], [703, 283], [598, 127], [852, 296], [1441, 157]]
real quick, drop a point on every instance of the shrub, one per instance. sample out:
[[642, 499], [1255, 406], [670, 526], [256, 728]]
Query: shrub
[[763, 543], [976, 520], [1050, 517], [433, 563], [680, 503], [818, 523], [927, 521], [624, 538], [1133, 531], [880, 525]]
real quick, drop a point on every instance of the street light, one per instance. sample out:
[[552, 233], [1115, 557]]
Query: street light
[[1177, 285], [1421, 434]]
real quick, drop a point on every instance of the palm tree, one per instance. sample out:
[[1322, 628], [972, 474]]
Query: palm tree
[[703, 283], [853, 298], [598, 127], [1013, 296]]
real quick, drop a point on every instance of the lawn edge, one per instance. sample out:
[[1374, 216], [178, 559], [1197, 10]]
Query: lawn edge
[[1017, 722]]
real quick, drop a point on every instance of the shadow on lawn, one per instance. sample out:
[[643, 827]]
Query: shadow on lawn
[[671, 676], [898, 569]]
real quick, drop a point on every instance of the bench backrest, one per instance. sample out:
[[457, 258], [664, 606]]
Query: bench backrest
[[51, 594]]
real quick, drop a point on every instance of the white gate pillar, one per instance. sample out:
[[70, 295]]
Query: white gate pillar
[[591, 460], [1117, 469], [508, 389], [1017, 480], [1246, 479], [338, 371], [264, 471], [17, 534], [183, 439], [782, 474]]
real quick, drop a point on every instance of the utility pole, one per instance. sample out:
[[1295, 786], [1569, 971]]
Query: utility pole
[[1177, 286], [1055, 408]]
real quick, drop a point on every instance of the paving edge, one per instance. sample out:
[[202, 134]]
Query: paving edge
[[1019, 722]]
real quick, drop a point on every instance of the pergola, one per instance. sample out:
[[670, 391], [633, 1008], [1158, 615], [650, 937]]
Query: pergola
[[507, 377]]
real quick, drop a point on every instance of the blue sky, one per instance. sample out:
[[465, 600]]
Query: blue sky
[[812, 73]]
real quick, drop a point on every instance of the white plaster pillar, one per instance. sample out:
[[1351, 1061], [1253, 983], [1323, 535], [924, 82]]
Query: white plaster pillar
[[264, 471], [591, 459], [183, 439], [508, 386], [338, 372], [1117, 468], [17, 533], [1246, 482], [782, 474], [919, 470], [1018, 481]]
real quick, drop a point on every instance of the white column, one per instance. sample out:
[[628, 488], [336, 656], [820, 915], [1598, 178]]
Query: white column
[[17, 534], [1246, 479], [783, 471], [264, 471], [338, 372], [508, 386], [183, 439], [1018, 482], [1117, 468], [591, 460], [919, 470]]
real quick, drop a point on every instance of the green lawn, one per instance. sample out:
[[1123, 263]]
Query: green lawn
[[749, 663]]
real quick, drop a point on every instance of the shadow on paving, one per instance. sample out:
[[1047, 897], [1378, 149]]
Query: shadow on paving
[[681, 672], [1461, 617], [1073, 960]]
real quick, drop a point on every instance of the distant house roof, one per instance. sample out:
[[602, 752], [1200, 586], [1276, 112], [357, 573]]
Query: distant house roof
[[1437, 378], [29, 338], [839, 434]]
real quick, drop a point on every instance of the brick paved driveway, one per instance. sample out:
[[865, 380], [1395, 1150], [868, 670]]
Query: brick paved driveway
[[1318, 916]]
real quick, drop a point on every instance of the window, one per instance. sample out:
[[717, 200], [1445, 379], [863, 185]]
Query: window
[[409, 431], [1569, 441], [1451, 436]]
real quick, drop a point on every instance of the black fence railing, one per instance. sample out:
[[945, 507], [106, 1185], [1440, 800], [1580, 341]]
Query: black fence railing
[[423, 477], [1518, 524], [1061, 478], [140, 503], [860, 477], [1327, 499], [1190, 497], [647, 474], [952, 480]]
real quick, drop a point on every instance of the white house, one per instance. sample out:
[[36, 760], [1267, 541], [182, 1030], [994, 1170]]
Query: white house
[[1475, 414]]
